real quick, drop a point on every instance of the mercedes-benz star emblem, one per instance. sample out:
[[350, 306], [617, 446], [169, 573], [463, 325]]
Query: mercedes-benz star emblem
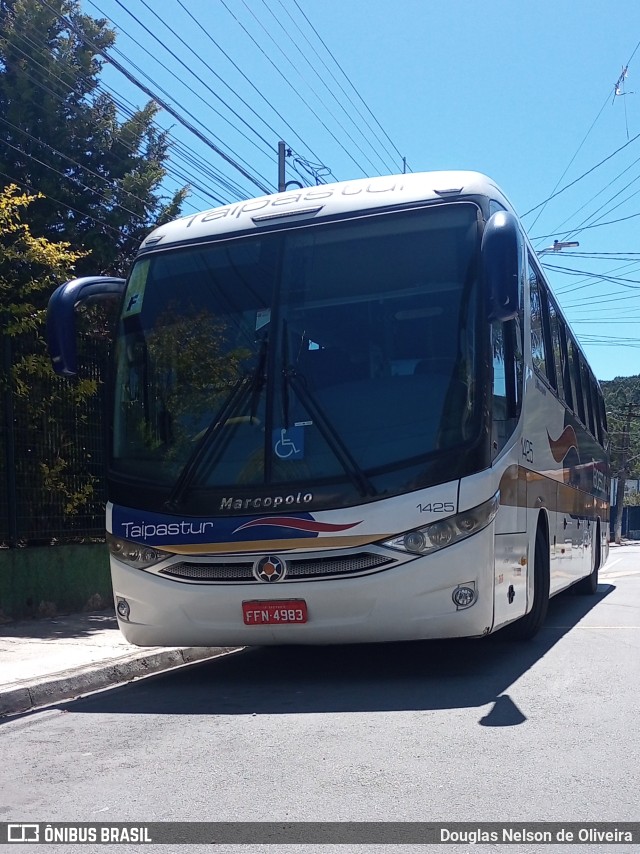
[[269, 568]]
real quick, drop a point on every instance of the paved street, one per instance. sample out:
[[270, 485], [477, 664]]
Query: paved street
[[449, 731]]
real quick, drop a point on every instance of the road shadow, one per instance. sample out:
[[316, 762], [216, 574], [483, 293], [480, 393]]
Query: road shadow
[[63, 627], [425, 675]]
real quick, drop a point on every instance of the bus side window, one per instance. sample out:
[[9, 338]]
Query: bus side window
[[588, 403], [576, 381], [597, 411], [556, 344], [564, 361], [604, 428], [538, 348], [550, 362]]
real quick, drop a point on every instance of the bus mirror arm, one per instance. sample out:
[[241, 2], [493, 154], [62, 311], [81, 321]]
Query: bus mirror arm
[[61, 327], [502, 266]]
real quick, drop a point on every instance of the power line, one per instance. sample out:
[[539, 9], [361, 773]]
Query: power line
[[112, 183], [180, 150], [288, 82], [219, 77], [193, 74], [591, 217], [169, 109], [209, 68], [165, 105], [324, 83], [584, 175], [117, 100], [74, 180], [337, 82], [553, 192], [21, 183], [606, 187], [347, 78], [248, 79], [570, 270]]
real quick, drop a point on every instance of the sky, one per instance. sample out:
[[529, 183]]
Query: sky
[[523, 91]]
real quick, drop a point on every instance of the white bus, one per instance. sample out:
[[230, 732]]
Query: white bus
[[349, 413]]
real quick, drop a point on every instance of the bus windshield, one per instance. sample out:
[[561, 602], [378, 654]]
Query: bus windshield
[[328, 353]]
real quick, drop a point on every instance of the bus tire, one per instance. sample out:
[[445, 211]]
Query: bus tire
[[589, 586], [529, 625]]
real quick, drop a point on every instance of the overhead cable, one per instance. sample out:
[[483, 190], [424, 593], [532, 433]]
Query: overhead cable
[[339, 85], [166, 106], [288, 82], [347, 78], [22, 183], [294, 44], [248, 79], [193, 74], [584, 175]]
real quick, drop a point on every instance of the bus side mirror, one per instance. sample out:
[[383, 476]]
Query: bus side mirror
[[61, 322], [502, 265]]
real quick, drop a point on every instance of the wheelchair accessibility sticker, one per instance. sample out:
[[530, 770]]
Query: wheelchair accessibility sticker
[[289, 444]]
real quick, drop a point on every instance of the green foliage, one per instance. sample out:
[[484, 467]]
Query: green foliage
[[30, 267], [99, 179]]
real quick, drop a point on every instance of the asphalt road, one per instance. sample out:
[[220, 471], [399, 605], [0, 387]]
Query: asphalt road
[[485, 730]]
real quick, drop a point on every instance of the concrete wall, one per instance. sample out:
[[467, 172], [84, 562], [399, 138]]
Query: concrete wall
[[49, 580]]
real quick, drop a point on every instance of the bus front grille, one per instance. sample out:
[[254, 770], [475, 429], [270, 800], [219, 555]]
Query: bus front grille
[[323, 567]]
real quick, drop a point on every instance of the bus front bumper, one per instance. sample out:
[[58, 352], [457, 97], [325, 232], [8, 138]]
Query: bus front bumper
[[410, 601]]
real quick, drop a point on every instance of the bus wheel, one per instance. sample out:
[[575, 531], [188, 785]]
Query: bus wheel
[[589, 586], [529, 625]]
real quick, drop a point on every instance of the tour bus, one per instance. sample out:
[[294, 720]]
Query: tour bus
[[349, 413]]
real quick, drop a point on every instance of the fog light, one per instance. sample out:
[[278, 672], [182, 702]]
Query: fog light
[[464, 596], [123, 609]]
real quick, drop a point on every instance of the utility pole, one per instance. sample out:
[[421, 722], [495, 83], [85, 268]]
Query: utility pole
[[622, 477], [282, 179]]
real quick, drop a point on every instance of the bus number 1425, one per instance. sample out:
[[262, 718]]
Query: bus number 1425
[[437, 507]]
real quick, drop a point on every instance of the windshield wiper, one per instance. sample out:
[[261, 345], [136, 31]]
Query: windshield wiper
[[328, 432], [247, 387]]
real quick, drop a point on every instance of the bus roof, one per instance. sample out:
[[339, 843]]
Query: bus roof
[[325, 200]]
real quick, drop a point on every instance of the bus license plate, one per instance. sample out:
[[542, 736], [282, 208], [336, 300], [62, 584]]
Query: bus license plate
[[274, 612]]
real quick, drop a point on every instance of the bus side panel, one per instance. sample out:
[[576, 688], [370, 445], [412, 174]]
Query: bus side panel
[[511, 547]]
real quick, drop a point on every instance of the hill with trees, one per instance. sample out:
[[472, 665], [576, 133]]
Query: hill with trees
[[622, 400]]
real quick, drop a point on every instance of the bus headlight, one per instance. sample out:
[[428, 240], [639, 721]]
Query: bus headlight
[[136, 555], [446, 532]]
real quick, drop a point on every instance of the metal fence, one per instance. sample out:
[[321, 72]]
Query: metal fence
[[52, 449]]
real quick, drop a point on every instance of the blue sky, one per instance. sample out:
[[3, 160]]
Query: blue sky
[[521, 90]]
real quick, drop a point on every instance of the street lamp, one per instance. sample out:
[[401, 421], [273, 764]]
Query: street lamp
[[561, 244]]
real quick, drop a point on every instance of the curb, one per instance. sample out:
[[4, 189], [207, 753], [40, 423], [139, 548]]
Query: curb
[[71, 684]]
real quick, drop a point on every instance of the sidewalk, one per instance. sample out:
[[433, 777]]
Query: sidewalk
[[46, 661]]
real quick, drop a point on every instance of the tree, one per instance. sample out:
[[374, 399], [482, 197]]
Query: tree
[[98, 181], [54, 478]]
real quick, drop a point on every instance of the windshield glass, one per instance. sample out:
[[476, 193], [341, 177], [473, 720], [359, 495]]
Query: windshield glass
[[324, 353]]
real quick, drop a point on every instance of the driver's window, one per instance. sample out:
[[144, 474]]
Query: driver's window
[[506, 345]]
